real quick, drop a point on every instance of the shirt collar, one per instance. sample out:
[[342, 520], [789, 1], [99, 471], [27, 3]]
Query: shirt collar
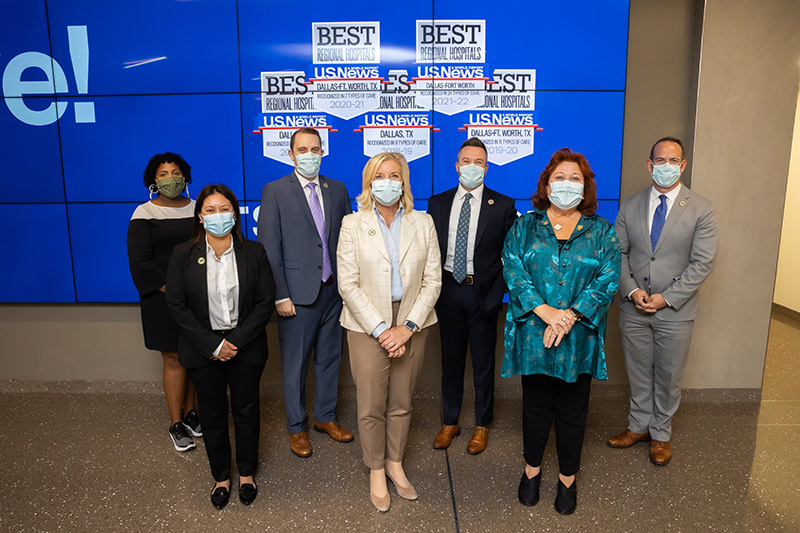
[[671, 195], [303, 181], [211, 253], [477, 192], [397, 216]]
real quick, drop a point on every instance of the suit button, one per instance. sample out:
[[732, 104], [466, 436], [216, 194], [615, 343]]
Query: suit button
[[561, 282], [645, 278], [560, 302], [319, 246], [563, 264], [652, 259], [319, 267]]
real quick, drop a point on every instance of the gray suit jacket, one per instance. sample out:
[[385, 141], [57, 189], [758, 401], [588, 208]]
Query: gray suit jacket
[[682, 260], [286, 229]]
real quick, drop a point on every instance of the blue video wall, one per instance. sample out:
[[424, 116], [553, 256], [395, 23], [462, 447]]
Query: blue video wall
[[91, 90]]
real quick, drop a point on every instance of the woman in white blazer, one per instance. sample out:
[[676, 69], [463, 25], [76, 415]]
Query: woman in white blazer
[[389, 272]]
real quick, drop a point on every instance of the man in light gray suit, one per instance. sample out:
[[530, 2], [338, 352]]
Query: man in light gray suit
[[298, 224], [669, 239]]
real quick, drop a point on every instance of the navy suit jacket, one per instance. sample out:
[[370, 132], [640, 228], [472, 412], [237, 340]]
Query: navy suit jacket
[[187, 298], [286, 229], [497, 215]]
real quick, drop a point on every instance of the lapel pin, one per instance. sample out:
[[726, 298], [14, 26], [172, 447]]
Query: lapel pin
[[580, 227], [325, 184], [683, 203], [544, 222], [371, 232], [201, 260], [491, 201]]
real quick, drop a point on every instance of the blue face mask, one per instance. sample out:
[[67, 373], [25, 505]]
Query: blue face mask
[[219, 224], [666, 175], [308, 164], [386, 191], [471, 176], [565, 194]]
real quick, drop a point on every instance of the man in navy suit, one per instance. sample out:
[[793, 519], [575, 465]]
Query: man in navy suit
[[298, 224], [471, 221]]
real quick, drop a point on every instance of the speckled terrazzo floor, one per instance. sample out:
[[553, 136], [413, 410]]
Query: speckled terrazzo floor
[[96, 457]]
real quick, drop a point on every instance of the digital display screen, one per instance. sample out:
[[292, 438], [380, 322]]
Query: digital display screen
[[91, 90]]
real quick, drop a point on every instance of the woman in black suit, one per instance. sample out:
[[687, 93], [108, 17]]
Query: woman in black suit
[[221, 293]]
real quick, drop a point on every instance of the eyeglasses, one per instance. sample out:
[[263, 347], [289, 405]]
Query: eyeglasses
[[671, 160]]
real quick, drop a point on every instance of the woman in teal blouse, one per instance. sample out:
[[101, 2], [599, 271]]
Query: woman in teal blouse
[[561, 264]]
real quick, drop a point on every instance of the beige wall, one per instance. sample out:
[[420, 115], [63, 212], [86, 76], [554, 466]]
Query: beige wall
[[787, 288], [750, 66], [743, 132]]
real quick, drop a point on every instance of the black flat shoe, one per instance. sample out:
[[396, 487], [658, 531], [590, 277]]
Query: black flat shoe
[[528, 492], [247, 493], [220, 497], [567, 497]]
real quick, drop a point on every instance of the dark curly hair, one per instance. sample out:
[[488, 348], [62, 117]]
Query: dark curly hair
[[158, 160], [588, 205]]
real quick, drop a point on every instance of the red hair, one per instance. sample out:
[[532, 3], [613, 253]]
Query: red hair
[[588, 205]]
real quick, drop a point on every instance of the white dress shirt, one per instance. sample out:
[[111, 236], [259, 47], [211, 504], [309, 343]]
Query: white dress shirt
[[222, 279], [318, 191], [452, 228]]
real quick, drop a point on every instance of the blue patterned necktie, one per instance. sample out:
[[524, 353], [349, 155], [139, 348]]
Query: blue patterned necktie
[[460, 255], [658, 220], [319, 221]]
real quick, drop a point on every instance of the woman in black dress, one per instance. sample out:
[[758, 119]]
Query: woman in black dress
[[154, 230]]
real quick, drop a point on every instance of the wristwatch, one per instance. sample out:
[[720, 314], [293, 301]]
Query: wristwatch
[[411, 326], [577, 314]]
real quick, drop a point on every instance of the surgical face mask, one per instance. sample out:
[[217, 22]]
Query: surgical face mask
[[171, 186], [565, 194], [471, 176], [219, 224], [308, 164], [666, 175], [386, 191]]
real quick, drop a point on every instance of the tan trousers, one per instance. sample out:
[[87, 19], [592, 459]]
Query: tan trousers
[[384, 387]]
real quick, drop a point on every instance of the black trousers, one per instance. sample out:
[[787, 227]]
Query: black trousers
[[462, 322], [546, 399], [211, 383]]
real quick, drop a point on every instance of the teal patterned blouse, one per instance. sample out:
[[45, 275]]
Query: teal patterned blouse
[[583, 275]]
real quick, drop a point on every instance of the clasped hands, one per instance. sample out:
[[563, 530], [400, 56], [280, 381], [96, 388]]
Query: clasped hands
[[559, 323], [227, 352], [393, 340], [648, 304]]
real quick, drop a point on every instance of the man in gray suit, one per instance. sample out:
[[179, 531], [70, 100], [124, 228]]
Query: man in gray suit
[[669, 239], [298, 224]]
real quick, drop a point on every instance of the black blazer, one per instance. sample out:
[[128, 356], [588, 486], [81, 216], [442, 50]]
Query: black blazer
[[187, 298], [497, 215]]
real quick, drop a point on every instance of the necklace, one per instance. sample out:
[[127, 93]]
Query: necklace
[[557, 226]]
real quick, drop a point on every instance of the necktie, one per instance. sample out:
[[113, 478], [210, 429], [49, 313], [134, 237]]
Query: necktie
[[462, 232], [658, 220], [319, 221]]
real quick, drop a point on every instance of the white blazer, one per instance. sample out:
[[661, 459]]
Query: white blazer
[[365, 271]]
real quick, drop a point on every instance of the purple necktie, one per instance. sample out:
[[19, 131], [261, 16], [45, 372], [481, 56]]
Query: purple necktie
[[319, 221]]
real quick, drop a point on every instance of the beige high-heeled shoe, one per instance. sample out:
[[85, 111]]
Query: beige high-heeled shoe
[[407, 492], [381, 503]]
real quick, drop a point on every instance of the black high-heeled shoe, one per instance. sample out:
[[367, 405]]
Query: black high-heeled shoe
[[528, 492], [567, 497], [247, 493], [220, 496]]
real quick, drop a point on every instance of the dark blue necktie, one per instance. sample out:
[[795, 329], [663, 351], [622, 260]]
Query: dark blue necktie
[[659, 217], [462, 231]]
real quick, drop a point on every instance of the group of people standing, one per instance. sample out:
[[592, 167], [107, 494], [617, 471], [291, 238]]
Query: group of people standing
[[386, 273]]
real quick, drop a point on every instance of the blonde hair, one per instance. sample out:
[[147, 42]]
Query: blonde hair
[[365, 199]]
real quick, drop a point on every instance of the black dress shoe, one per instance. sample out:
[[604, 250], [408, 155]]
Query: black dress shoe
[[528, 492], [220, 497], [247, 493], [567, 497]]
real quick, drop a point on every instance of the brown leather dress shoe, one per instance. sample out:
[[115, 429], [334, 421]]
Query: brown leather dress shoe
[[445, 436], [478, 441], [627, 438], [660, 453], [336, 432], [300, 444]]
